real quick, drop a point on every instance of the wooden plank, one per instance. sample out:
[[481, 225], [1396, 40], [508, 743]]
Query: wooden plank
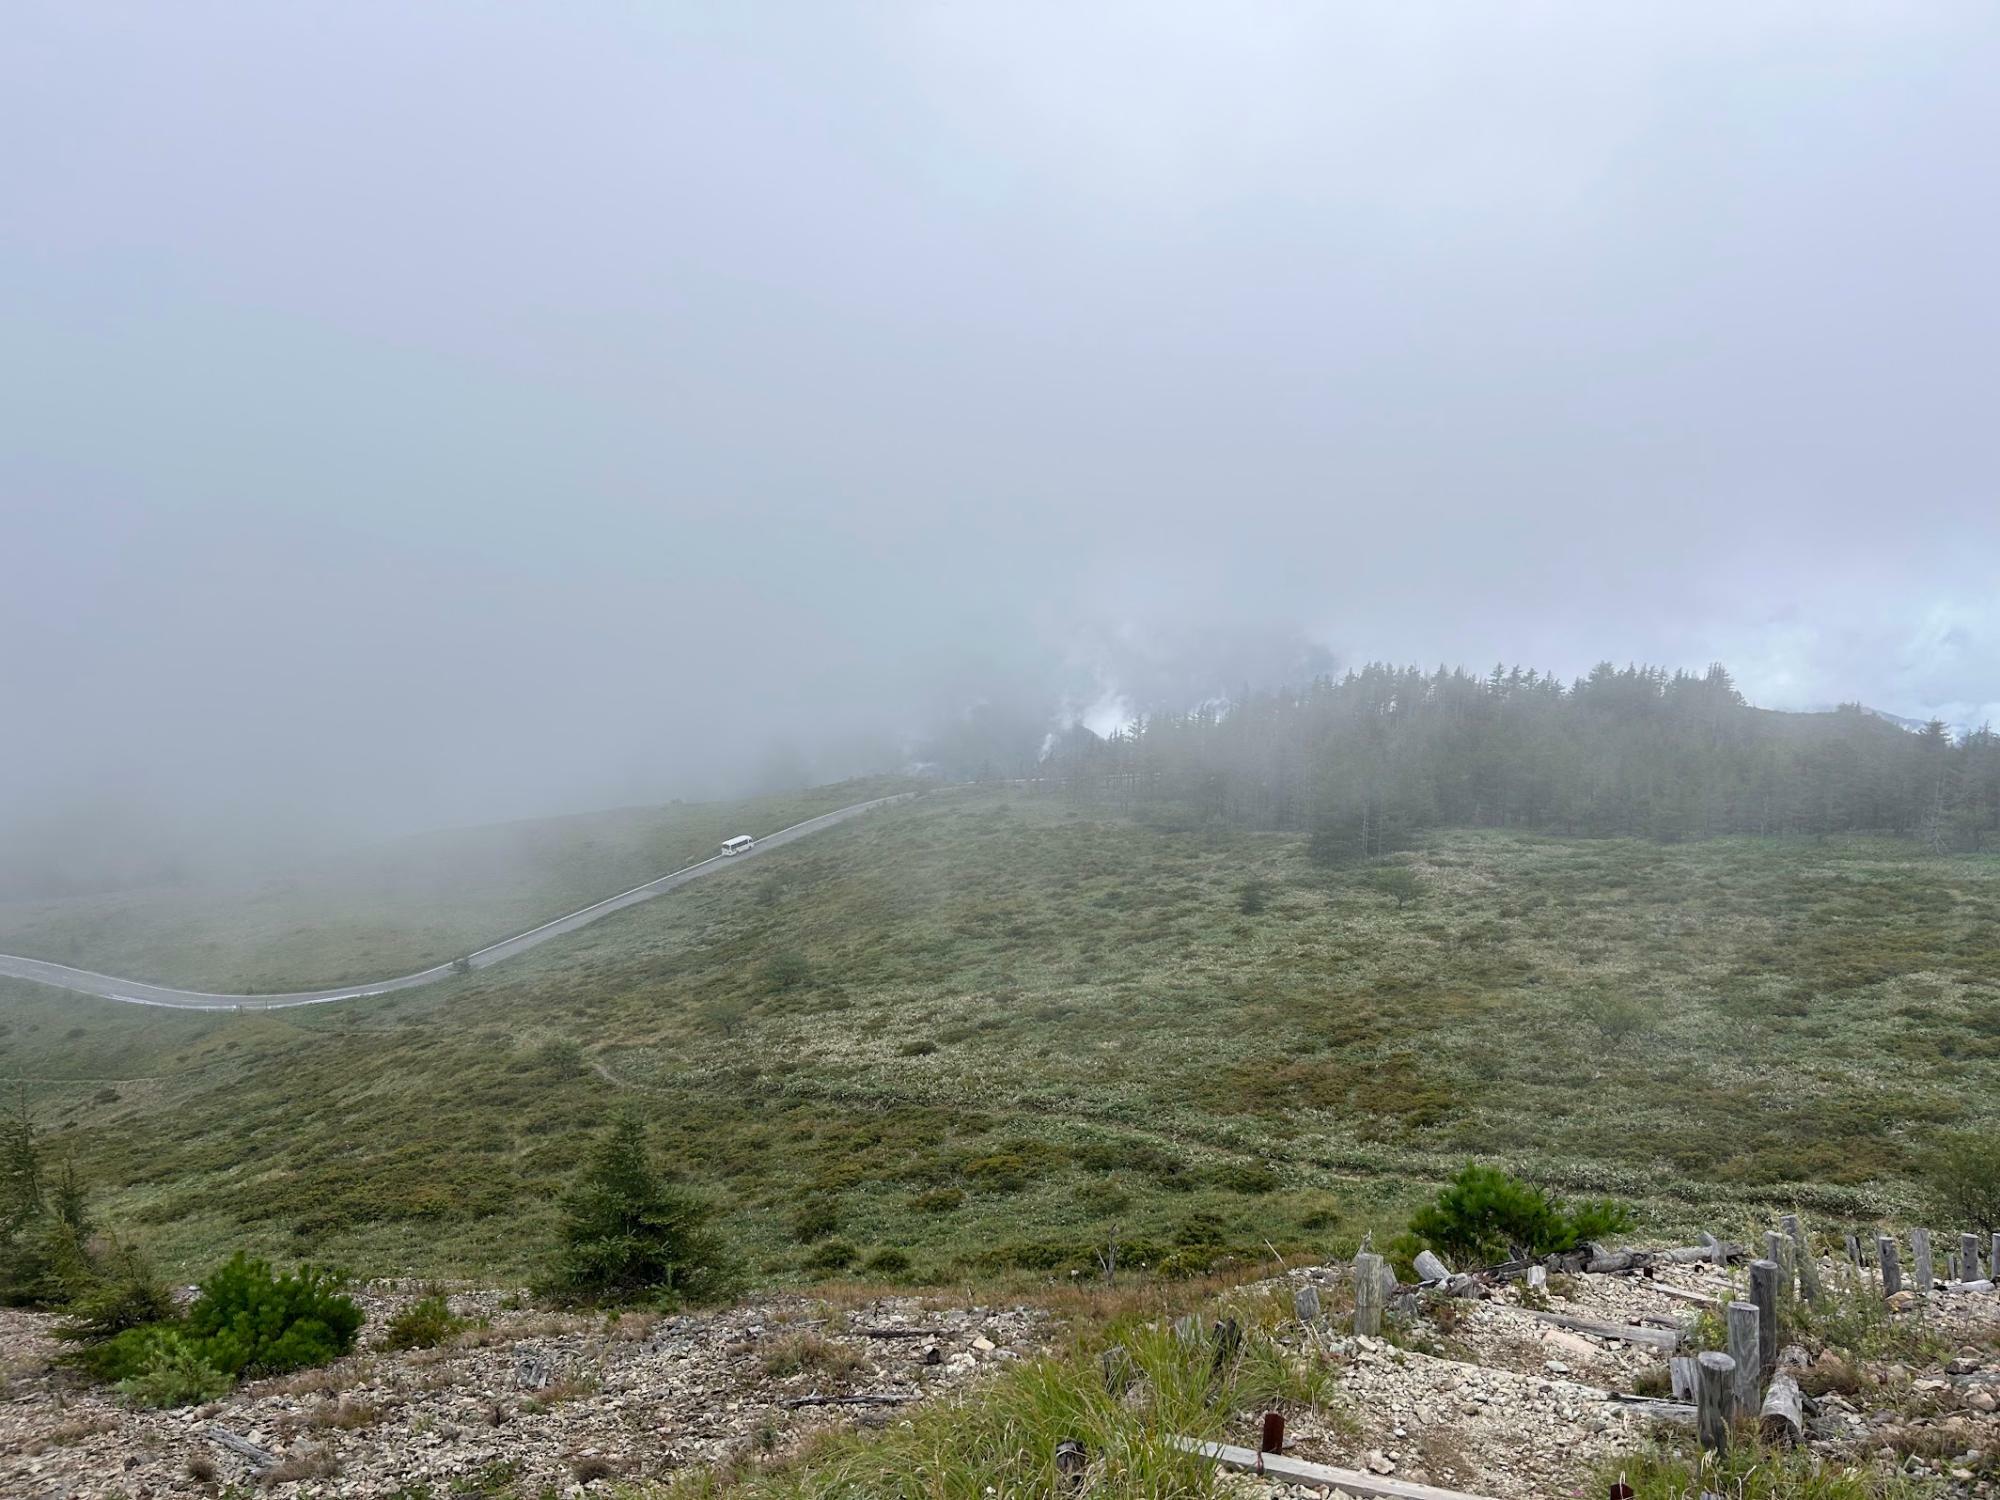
[[1298, 1471], [1968, 1258]]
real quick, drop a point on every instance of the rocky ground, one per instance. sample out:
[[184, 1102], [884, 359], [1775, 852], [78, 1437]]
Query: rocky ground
[[522, 1402], [1478, 1396]]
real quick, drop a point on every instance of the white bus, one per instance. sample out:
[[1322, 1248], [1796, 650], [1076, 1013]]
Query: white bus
[[741, 844]]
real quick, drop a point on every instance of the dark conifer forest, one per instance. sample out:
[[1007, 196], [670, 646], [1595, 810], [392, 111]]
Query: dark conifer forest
[[1368, 760]]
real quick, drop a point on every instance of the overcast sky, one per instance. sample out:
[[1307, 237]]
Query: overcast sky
[[422, 413]]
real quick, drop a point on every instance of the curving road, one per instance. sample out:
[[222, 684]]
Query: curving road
[[132, 992]]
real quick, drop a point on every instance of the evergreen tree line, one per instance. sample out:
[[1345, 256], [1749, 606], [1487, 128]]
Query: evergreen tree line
[[1368, 760]]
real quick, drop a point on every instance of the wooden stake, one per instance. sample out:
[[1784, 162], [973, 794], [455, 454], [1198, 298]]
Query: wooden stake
[[1683, 1377], [1808, 1265], [1718, 1376], [1920, 1261], [1744, 1336], [1778, 1247], [1368, 1294], [1305, 1304], [1968, 1257], [1764, 1293], [1892, 1269]]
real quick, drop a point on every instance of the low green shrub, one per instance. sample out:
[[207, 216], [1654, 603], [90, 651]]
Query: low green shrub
[[888, 1261], [248, 1321], [1965, 1181], [834, 1255], [424, 1324], [816, 1219], [171, 1370], [125, 1292], [1486, 1215]]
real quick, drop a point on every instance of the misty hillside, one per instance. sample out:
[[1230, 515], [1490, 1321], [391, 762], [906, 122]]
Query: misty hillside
[[391, 908], [970, 1035]]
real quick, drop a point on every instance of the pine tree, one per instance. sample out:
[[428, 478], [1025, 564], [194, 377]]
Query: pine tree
[[630, 1234]]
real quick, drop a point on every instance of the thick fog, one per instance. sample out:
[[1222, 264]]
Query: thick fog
[[413, 415]]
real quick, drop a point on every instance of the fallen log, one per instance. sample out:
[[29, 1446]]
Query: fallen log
[[1653, 1406], [259, 1458], [1317, 1476], [1970, 1286], [1696, 1299], [864, 1399], [1652, 1338], [1430, 1268], [1612, 1262], [897, 1333], [1781, 1419]]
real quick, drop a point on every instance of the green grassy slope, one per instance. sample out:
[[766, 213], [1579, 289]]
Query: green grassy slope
[[395, 908], [983, 1030]]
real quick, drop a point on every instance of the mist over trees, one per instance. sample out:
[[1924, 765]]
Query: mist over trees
[[1366, 761]]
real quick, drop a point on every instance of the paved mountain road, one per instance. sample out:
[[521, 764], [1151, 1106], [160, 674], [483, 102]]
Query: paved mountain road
[[133, 992]]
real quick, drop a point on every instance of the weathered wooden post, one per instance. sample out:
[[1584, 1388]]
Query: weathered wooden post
[[1778, 1248], [1764, 1293], [1920, 1261], [1968, 1257], [1993, 1259], [1892, 1269], [1718, 1250], [1854, 1250], [1368, 1294], [1683, 1377], [1744, 1321], [1305, 1304], [1808, 1266], [1718, 1375]]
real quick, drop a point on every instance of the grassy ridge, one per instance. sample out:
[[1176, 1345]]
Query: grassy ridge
[[977, 1035]]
